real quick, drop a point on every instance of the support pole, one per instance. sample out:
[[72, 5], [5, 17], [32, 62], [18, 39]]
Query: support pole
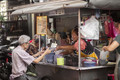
[[33, 25], [79, 24], [40, 43]]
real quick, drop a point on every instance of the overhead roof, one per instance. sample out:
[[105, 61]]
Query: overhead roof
[[48, 6], [105, 4]]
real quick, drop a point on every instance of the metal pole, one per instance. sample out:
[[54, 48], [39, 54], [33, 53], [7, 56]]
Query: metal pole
[[79, 24], [39, 42], [33, 25], [46, 41]]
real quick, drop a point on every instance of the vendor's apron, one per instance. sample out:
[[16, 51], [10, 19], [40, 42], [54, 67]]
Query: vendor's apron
[[91, 55], [117, 70]]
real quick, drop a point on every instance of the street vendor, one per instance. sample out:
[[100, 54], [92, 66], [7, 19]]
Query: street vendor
[[33, 47], [115, 45], [83, 44], [21, 59]]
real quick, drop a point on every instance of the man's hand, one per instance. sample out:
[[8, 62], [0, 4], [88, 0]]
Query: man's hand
[[41, 52], [41, 57]]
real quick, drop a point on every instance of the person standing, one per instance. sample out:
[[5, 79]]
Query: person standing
[[21, 59], [115, 45]]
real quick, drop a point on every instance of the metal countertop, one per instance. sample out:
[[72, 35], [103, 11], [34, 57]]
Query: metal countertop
[[75, 67]]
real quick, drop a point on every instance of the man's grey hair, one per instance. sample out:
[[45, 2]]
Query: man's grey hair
[[23, 39]]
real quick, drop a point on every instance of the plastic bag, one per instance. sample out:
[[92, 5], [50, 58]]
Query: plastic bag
[[104, 55], [116, 31], [91, 29]]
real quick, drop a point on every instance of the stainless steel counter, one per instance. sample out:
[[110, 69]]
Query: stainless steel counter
[[55, 72], [76, 68]]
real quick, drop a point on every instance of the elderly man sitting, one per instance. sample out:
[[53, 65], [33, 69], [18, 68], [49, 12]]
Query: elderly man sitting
[[21, 59]]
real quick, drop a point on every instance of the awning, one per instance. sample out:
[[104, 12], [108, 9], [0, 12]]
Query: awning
[[105, 4], [49, 6]]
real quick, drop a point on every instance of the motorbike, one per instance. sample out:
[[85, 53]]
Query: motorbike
[[6, 60]]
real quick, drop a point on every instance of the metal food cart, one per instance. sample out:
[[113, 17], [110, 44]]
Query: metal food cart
[[48, 71]]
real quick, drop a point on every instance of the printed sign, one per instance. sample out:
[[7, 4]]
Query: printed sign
[[41, 25]]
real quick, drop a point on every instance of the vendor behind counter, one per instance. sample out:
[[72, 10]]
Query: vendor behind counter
[[87, 50]]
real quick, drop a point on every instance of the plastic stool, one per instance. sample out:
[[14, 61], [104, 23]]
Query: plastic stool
[[111, 75]]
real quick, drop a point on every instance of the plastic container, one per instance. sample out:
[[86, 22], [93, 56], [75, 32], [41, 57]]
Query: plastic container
[[60, 61], [89, 64], [55, 57]]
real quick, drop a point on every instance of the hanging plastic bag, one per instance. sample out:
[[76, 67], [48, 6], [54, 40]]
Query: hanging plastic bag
[[106, 27], [116, 31], [91, 29], [111, 29]]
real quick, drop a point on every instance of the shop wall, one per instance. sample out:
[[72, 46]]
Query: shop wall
[[66, 23]]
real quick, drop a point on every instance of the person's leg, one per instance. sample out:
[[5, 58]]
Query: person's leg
[[31, 70], [116, 71], [23, 77]]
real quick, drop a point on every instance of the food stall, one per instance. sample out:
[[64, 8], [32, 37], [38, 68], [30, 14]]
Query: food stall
[[48, 71], [52, 71]]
